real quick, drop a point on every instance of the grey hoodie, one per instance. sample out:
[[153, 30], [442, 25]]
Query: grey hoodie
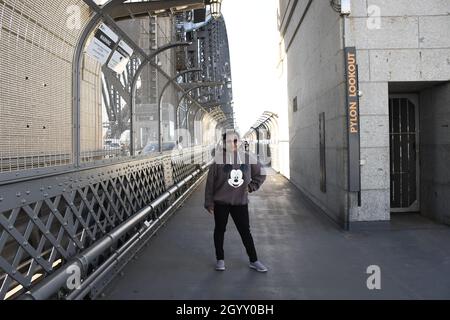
[[232, 177]]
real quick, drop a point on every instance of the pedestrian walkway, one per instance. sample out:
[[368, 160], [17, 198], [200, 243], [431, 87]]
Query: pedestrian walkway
[[308, 256]]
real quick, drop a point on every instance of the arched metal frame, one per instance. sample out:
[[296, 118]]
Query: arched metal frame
[[166, 86], [186, 94], [267, 122], [148, 61], [102, 13]]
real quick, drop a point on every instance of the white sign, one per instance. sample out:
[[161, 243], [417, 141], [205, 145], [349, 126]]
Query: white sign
[[346, 7], [120, 57], [102, 44]]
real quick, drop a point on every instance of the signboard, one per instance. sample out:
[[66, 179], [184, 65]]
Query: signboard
[[346, 7], [120, 57], [353, 121], [102, 44]]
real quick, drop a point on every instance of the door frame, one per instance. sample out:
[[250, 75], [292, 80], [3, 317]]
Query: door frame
[[415, 98]]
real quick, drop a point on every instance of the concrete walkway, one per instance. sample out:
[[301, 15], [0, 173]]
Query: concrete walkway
[[308, 256]]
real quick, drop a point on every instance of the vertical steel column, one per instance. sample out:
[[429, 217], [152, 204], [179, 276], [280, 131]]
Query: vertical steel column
[[195, 119], [76, 88]]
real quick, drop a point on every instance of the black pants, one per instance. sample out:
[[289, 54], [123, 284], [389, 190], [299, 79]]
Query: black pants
[[241, 220]]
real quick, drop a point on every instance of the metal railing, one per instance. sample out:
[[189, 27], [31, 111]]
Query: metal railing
[[92, 216]]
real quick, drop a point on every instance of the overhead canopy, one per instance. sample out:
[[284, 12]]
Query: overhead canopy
[[265, 121]]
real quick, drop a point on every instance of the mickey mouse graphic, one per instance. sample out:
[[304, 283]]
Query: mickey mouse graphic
[[235, 178], [236, 175]]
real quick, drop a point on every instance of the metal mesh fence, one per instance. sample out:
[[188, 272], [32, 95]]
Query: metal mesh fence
[[38, 40]]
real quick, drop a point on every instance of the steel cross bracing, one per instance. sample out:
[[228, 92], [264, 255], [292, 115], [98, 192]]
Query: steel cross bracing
[[46, 222]]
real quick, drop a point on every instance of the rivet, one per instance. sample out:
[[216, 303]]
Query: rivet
[[24, 201], [18, 194], [10, 227], [49, 187], [1, 199], [28, 192]]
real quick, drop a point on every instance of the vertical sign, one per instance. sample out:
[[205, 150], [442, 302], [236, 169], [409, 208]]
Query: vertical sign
[[120, 57], [102, 44], [353, 124]]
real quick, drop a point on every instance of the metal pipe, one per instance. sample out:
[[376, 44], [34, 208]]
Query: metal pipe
[[108, 265], [52, 284]]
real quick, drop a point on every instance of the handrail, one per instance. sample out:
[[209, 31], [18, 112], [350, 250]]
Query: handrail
[[52, 284]]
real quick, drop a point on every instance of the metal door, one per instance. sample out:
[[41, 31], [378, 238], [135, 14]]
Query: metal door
[[404, 152]]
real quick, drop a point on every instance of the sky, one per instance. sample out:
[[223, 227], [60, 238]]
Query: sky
[[254, 48]]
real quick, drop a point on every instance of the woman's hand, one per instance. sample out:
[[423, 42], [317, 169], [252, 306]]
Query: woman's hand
[[211, 210]]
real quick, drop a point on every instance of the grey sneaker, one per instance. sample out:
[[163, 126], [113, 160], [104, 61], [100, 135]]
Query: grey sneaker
[[258, 266], [220, 265]]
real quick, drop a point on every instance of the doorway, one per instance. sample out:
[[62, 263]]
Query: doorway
[[404, 152]]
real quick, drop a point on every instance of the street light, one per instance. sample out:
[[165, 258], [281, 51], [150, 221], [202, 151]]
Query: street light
[[216, 8]]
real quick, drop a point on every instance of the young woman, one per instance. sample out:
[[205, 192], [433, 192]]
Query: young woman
[[234, 174]]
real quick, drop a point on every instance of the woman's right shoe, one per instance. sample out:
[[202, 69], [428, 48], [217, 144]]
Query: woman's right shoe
[[258, 266], [220, 265]]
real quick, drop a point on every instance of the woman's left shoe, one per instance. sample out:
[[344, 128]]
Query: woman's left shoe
[[220, 265], [258, 266]]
